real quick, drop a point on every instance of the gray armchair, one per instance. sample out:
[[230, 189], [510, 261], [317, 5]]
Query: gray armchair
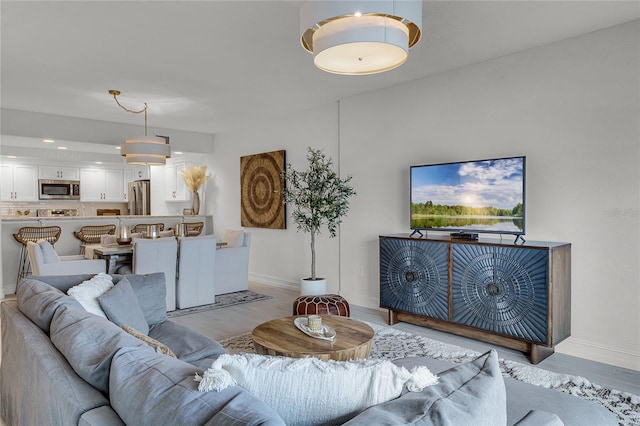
[[45, 261]]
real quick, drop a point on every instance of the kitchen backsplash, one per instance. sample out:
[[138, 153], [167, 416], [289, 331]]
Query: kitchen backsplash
[[10, 209]]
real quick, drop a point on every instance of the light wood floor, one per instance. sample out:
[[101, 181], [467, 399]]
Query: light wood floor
[[234, 320]]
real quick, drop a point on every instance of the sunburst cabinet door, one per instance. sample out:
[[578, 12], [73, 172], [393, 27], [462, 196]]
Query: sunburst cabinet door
[[414, 276], [501, 289]]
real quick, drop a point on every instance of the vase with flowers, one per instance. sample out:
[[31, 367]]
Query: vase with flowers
[[194, 177]]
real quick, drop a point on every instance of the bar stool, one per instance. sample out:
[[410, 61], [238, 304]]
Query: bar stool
[[141, 228], [91, 234], [193, 229], [33, 233]]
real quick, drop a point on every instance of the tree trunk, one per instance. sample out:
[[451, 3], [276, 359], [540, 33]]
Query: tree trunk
[[313, 255]]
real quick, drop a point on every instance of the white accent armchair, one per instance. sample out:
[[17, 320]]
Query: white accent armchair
[[232, 263], [157, 255], [45, 261], [196, 268]]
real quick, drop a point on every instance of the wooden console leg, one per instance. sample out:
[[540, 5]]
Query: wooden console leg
[[539, 353], [393, 317]]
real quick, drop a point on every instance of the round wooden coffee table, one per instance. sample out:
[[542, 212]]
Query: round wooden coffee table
[[281, 337]]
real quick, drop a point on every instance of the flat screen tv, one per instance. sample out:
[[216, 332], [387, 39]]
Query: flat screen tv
[[470, 197]]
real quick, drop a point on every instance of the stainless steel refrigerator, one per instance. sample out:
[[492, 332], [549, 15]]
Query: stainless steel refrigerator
[[140, 197]]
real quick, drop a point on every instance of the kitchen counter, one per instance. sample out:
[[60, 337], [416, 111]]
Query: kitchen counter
[[23, 218], [67, 243]]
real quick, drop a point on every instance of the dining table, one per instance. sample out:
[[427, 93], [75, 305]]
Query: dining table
[[115, 254]]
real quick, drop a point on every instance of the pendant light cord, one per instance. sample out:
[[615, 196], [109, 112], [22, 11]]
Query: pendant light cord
[[115, 94]]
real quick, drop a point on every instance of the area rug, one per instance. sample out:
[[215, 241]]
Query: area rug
[[222, 301], [392, 344]]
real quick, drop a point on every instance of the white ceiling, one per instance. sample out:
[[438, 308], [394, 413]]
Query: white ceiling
[[207, 66]]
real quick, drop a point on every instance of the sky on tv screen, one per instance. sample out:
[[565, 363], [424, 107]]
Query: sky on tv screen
[[491, 183]]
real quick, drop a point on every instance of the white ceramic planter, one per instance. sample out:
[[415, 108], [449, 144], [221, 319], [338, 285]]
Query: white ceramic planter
[[309, 287]]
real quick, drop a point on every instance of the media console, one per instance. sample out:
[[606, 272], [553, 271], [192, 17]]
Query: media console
[[513, 295]]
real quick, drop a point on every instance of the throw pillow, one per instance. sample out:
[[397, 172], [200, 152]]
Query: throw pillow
[[87, 292], [233, 238], [312, 391], [151, 291], [467, 394], [121, 306], [49, 254], [157, 346]]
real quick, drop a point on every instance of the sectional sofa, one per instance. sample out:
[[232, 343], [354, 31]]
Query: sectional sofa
[[63, 365]]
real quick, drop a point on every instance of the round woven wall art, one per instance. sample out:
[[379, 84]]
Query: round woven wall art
[[260, 185]]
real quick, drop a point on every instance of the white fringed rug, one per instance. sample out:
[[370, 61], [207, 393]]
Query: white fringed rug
[[392, 344]]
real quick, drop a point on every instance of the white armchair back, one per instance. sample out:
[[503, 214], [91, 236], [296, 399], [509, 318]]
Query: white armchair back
[[232, 266], [196, 268], [157, 255]]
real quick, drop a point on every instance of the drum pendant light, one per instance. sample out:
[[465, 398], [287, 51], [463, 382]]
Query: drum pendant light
[[143, 150], [360, 37]]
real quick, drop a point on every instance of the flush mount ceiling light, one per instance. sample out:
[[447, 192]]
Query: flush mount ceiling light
[[360, 37], [143, 150]]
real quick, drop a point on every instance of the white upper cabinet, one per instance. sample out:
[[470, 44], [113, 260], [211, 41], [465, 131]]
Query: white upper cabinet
[[19, 182], [175, 188], [102, 185], [57, 172]]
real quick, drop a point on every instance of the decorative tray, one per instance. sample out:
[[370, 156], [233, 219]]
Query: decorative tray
[[326, 333]]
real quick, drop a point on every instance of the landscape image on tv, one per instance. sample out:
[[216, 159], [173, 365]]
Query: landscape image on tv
[[481, 196]]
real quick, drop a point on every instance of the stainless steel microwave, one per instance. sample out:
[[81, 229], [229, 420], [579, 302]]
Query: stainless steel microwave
[[59, 189]]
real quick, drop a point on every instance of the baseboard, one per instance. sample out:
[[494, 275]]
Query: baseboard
[[275, 282], [600, 353], [9, 289]]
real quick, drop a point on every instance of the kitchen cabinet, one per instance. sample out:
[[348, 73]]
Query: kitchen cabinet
[[175, 188], [57, 172], [102, 185], [141, 172], [19, 182]]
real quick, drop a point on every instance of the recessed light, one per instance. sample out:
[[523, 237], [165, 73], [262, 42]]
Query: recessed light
[[177, 152], [48, 141], [62, 147], [118, 148], [98, 162], [11, 156]]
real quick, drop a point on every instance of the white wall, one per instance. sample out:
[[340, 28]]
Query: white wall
[[278, 257], [571, 107]]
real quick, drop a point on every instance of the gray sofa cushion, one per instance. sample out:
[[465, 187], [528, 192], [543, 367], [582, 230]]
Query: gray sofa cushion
[[89, 343], [37, 384], [38, 301], [187, 344], [524, 397], [540, 418], [61, 282], [121, 306], [151, 291], [470, 393], [148, 388]]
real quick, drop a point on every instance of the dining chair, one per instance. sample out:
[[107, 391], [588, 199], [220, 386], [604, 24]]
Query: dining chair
[[196, 267], [157, 255]]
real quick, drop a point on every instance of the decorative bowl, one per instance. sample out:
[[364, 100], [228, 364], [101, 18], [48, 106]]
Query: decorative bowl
[[123, 241]]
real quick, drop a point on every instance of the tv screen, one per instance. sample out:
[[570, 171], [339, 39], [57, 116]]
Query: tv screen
[[484, 196]]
